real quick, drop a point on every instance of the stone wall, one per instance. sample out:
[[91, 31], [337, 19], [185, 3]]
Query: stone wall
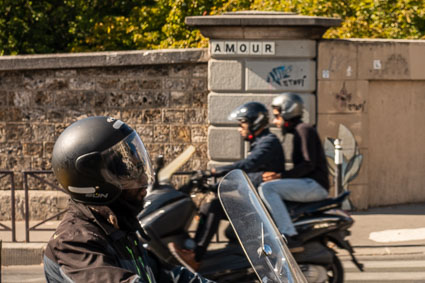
[[161, 94]]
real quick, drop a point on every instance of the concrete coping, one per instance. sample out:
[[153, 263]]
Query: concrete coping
[[259, 18], [103, 59]]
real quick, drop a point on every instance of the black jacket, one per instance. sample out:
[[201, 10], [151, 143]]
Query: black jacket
[[308, 156], [88, 246], [266, 154]]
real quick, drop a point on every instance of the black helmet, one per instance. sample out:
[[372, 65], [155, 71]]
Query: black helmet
[[254, 113], [290, 105], [96, 158]]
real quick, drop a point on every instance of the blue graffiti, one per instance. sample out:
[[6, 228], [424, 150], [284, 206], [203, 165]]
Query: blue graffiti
[[278, 74], [282, 76]]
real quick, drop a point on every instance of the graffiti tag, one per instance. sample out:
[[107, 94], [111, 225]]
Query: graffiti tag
[[282, 77], [343, 101]]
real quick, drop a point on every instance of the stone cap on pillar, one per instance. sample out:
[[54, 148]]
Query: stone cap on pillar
[[262, 25]]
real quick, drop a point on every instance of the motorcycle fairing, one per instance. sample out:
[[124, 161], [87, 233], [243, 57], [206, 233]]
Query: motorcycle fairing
[[259, 237]]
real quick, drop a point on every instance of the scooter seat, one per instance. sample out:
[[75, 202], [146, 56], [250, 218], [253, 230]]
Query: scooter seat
[[298, 209]]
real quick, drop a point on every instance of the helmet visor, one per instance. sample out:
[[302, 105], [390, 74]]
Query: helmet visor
[[127, 164]]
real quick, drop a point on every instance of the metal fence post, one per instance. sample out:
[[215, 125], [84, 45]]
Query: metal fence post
[[338, 165]]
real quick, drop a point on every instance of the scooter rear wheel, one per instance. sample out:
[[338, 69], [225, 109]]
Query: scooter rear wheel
[[335, 271]]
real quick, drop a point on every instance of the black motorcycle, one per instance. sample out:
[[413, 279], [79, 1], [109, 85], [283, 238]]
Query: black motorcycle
[[168, 214]]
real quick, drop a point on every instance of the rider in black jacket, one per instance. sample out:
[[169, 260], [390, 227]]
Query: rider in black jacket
[[266, 154], [308, 180], [104, 167]]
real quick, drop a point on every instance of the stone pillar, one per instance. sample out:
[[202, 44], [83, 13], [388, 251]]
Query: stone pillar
[[255, 56]]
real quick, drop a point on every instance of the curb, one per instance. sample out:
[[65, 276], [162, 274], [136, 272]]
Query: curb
[[32, 253], [22, 253]]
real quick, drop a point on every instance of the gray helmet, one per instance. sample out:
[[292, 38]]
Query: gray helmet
[[96, 158], [290, 105]]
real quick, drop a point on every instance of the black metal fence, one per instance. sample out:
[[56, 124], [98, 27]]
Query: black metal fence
[[12, 228], [37, 174]]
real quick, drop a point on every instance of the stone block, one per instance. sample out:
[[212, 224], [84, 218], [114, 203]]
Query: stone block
[[151, 116], [337, 60], [197, 116], [44, 132], [42, 204], [280, 48], [199, 134], [22, 99], [357, 123], [176, 83], [391, 60], [200, 71], [280, 75], [224, 144], [220, 105], [18, 132], [180, 99], [33, 149], [198, 84], [200, 99], [179, 70], [44, 98], [56, 84], [161, 133], [78, 99], [2, 132], [224, 75], [175, 116], [342, 96], [107, 83], [82, 84], [48, 149], [180, 134]]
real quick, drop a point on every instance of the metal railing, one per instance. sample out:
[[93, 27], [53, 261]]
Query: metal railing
[[35, 174], [4, 173]]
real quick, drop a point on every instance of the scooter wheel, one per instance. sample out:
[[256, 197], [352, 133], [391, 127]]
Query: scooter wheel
[[335, 271]]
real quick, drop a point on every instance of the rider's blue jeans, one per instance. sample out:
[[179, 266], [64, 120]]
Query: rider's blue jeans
[[298, 190]]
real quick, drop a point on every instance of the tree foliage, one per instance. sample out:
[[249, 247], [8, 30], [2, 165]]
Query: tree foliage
[[49, 26]]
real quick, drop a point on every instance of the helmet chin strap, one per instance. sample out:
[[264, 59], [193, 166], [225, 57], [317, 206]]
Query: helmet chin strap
[[288, 126]]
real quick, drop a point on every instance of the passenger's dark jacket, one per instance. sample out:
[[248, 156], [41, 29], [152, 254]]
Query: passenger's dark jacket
[[88, 246], [266, 154], [308, 156]]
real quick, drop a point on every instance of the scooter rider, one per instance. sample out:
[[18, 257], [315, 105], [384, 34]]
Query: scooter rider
[[266, 154], [104, 167], [308, 180]]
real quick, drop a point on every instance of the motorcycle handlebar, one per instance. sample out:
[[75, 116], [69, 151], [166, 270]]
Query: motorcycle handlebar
[[197, 180]]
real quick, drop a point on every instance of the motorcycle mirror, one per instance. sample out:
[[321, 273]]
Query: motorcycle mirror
[[166, 172]]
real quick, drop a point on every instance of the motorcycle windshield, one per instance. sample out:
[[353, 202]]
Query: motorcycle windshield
[[259, 237]]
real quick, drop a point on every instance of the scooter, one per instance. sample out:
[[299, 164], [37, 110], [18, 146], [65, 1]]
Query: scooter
[[321, 225], [168, 213]]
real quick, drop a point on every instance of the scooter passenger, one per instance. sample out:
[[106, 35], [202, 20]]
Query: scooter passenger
[[104, 167], [308, 180], [266, 154]]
